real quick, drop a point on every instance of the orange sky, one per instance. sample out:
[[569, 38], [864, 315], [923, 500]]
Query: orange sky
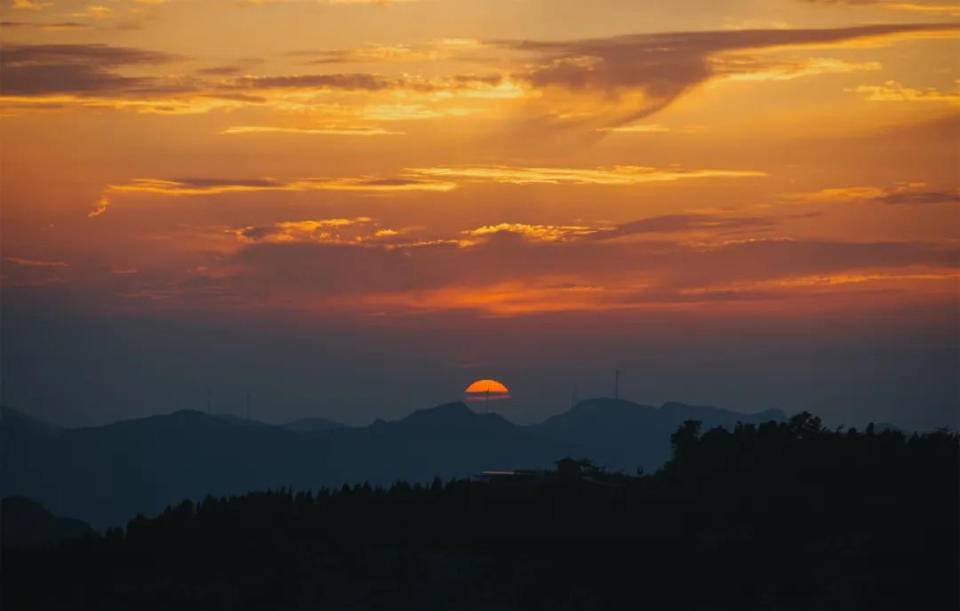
[[481, 158]]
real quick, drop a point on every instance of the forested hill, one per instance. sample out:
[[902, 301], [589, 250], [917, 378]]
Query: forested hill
[[775, 516], [107, 474]]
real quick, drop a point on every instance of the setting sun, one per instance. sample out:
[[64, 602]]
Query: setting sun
[[483, 389]]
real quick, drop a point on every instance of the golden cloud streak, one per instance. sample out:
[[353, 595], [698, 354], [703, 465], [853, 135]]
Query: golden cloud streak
[[177, 188], [949, 9], [904, 192], [540, 233], [639, 128], [892, 91], [334, 230], [25, 262], [437, 179], [500, 299], [159, 105], [546, 295], [321, 131], [837, 281], [620, 175], [788, 70], [203, 187]]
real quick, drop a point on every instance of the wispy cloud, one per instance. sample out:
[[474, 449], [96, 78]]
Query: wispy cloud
[[540, 233], [601, 84], [27, 70], [31, 5], [637, 128], [619, 80], [322, 131], [614, 176], [334, 230], [193, 187], [903, 194], [934, 7], [25, 262], [447, 48], [436, 179], [892, 91], [217, 186], [549, 273], [45, 25]]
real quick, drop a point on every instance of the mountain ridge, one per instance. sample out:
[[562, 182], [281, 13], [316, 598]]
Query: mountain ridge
[[107, 474]]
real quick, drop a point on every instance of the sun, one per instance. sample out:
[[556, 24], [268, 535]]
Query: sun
[[482, 390]]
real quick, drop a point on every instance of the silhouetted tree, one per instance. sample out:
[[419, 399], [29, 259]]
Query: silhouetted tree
[[776, 516]]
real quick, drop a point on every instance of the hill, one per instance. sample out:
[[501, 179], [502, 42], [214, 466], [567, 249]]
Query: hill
[[107, 474], [776, 516], [26, 523], [313, 425]]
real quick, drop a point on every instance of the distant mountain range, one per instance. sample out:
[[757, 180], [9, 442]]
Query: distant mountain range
[[108, 474]]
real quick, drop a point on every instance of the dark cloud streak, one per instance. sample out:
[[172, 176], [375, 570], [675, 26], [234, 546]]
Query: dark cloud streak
[[80, 69], [664, 66]]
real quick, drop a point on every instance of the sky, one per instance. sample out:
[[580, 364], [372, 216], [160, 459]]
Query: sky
[[354, 208]]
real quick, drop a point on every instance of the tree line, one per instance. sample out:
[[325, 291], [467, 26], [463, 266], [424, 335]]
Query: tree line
[[773, 516]]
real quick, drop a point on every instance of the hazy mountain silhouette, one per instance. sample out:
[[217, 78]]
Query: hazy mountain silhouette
[[449, 440], [313, 425], [108, 474], [624, 435], [26, 523]]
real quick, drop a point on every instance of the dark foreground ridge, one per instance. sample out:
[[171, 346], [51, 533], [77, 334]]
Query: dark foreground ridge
[[774, 516], [108, 474]]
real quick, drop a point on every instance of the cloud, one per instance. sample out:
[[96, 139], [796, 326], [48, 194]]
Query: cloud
[[601, 84], [447, 48], [916, 7], [217, 186], [368, 82], [671, 224], [45, 25], [902, 194], [25, 262], [191, 187], [231, 69], [539, 233], [625, 78], [747, 68], [539, 275], [675, 223], [322, 131], [934, 7], [32, 5], [94, 11], [615, 176], [335, 230], [892, 91], [29, 70], [350, 82], [100, 208], [333, 2], [637, 128], [438, 179]]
